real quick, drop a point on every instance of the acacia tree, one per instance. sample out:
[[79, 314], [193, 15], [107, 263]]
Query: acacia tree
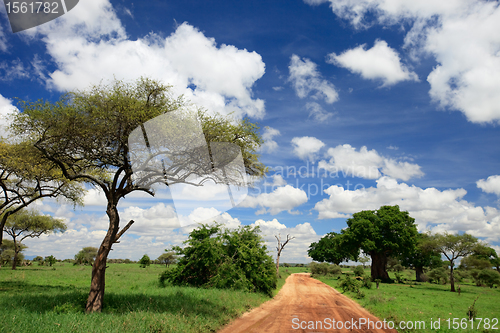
[[454, 247], [29, 223], [25, 176], [86, 135], [86, 256], [167, 258], [280, 248]]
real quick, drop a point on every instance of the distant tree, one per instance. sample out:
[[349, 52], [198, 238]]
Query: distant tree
[[363, 260], [168, 258], [454, 246], [51, 260], [7, 252], [358, 271], [280, 248], [86, 256], [145, 261], [30, 223], [221, 258], [424, 255], [26, 177], [483, 257]]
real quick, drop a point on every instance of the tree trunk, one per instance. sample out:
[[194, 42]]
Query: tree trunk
[[16, 251], [419, 270], [96, 295], [278, 266], [379, 264], [452, 278]]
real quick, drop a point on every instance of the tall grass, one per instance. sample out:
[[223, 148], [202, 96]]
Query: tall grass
[[43, 299]]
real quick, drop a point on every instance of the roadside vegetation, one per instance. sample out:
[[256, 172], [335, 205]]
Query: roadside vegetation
[[408, 300], [52, 299]]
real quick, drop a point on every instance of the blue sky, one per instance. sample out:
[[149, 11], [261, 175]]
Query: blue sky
[[397, 102]]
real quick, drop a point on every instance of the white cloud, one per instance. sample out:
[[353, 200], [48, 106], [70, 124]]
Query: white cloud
[[281, 199], [278, 180], [490, 185], [269, 144], [219, 78], [317, 112], [460, 34], [379, 62], [6, 107], [296, 249], [438, 210], [368, 164], [307, 147], [305, 78]]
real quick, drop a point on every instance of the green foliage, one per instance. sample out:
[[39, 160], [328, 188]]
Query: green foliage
[[472, 310], [486, 277], [385, 232], [438, 275], [399, 277], [358, 271], [350, 284], [50, 260], [331, 248], [324, 269], [7, 252], [221, 258], [145, 261], [168, 258], [86, 256]]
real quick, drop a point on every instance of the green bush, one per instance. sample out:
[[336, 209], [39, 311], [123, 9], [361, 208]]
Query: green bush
[[358, 271], [350, 284], [220, 258], [438, 275], [486, 277], [145, 261]]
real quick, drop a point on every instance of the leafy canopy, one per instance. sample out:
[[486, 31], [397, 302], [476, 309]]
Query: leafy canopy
[[221, 258]]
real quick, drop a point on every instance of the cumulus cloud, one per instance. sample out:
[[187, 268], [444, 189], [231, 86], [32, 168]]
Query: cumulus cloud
[[461, 36], [296, 250], [490, 185], [281, 199], [6, 107], [217, 77], [305, 79], [380, 62], [368, 164], [307, 147], [269, 144], [432, 209]]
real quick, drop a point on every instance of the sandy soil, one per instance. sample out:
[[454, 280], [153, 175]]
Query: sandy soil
[[306, 305]]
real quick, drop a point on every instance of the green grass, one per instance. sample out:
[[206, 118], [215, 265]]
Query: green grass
[[43, 299], [422, 301]]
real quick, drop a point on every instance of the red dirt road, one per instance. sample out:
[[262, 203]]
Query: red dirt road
[[306, 305]]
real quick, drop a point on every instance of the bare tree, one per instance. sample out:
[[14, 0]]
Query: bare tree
[[280, 248]]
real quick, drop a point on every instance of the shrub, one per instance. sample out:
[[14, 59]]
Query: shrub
[[438, 275], [349, 284], [367, 283], [358, 271], [486, 277], [399, 277], [220, 258], [398, 268], [50, 260], [145, 261], [334, 270]]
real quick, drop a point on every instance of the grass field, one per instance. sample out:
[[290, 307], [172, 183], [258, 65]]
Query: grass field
[[43, 299], [417, 302]]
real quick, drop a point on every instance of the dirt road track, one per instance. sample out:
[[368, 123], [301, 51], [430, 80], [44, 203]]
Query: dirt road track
[[307, 300]]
